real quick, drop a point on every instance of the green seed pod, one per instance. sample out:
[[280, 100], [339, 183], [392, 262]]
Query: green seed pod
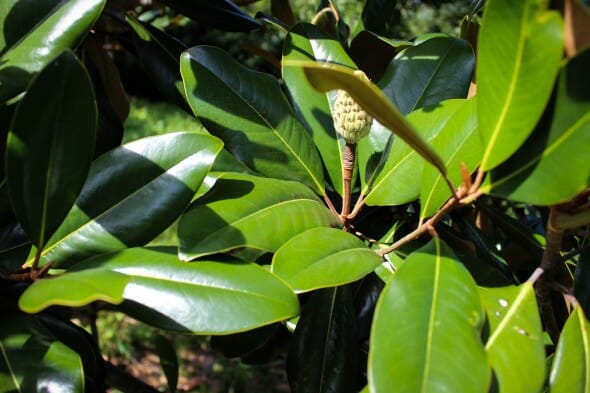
[[350, 120]]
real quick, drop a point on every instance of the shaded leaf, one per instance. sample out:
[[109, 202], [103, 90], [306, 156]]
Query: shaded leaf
[[74, 290], [168, 360], [551, 167], [222, 14], [457, 143], [132, 194], [570, 372], [328, 76], [323, 257], [50, 146], [513, 81], [249, 112], [324, 354], [396, 183], [269, 212], [516, 338], [367, 42], [63, 27], [32, 360], [426, 74], [442, 320], [159, 54], [307, 42]]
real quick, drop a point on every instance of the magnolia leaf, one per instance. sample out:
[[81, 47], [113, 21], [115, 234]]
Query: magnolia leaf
[[249, 211], [323, 257], [442, 320], [513, 81]]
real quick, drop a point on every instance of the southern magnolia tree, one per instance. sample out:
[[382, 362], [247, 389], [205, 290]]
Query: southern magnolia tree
[[446, 250]]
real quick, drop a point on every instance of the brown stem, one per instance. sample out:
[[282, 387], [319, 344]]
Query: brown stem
[[427, 226], [347, 172], [331, 206], [551, 263]]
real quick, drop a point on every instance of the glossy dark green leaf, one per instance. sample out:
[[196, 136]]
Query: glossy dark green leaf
[[514, 80], [63, 27], [222, 14], [159, 54], [427, 326], [329, 76], [426, 74], [50, 146], [515, 343], [32, 360], [307, 42], [249, 112], [248, 211], [132, 194], [372, 152], [570, 372], [551, 167], [74, 290], [206, 297], [367, 42], [396, 182], [168, 360], [457, 143], [324, 352], [241, 344], [323, 257]]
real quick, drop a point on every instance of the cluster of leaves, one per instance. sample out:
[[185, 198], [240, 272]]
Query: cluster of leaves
[[465, 242]]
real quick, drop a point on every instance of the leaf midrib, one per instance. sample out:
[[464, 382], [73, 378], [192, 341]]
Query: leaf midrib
[[272, 128], [491, 143]]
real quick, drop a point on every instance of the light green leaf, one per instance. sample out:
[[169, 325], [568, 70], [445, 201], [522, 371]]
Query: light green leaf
[[308, 42], [323, 257], [250, 113], [33, 360], [571, 366], [329, 76], [457, 143], [74, 290], [63, 27], [205, 297], [552, 167], [426, 328], [515, 73], [132, 194], [249, 211], [515, 344], [50, 146], [396, 183]]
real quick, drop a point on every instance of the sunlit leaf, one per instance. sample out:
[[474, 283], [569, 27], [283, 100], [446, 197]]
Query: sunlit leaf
[[132, 194], [307, 42], [551, 167], [571, 366], [249, 211], [426, 328], [63, 27], [515, 73], [250, 113], [323, 257], [515, 338]]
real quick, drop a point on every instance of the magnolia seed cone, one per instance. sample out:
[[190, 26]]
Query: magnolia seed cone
[[350, 120]]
